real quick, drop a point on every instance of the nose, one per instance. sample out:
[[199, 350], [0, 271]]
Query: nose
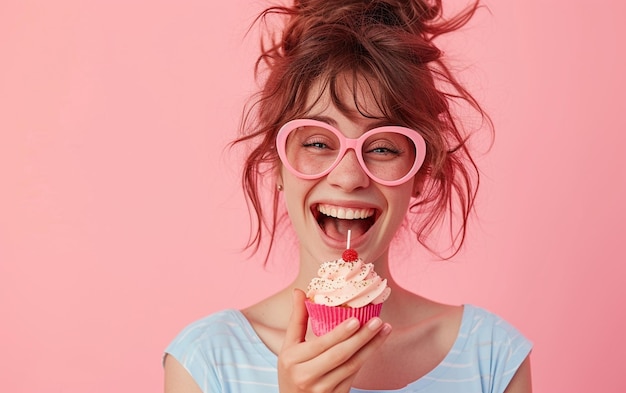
[[348, 174]]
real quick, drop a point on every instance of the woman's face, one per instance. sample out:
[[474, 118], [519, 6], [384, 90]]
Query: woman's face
[[323, 210]]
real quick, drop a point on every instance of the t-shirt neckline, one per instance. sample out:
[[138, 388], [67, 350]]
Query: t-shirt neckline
[[433, 375]]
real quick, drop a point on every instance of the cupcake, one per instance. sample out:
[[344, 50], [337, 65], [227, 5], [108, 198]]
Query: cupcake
[[344, 288]]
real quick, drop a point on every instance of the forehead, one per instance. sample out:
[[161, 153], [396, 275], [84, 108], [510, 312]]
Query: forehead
[[355, 97]]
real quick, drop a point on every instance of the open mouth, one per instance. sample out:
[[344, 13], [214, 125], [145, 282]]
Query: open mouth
[[335, 221]]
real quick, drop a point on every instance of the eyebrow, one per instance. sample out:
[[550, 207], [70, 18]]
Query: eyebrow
[[325, 119], [369, 126]]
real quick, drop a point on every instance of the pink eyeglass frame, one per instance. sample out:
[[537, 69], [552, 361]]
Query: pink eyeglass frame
[[354, 144]]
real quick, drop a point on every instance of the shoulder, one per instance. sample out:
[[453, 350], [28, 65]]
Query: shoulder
[[195, 348], [220, 320], [497, 347], [481, 323], [216, 338], [216, 330], [222, 352], [205, 327]]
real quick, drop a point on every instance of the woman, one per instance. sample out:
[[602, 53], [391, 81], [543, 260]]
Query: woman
[[364, 71]]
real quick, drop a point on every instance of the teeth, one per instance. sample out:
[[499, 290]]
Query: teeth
[[345, 213]]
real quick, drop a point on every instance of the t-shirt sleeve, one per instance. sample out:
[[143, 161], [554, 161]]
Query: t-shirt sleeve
[[509, 349], [189, 348]]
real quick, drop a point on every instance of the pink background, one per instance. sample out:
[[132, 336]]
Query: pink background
[[121, 217]]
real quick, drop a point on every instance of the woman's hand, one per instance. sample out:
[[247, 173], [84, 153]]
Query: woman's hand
[[330, 362]]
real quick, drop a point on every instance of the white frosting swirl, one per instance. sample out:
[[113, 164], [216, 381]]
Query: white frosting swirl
[[351, 284]]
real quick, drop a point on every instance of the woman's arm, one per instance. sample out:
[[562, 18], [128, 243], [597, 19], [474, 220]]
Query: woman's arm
[[177, 379], [521, 382]]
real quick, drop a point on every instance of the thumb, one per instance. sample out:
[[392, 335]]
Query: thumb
[[296, 330]]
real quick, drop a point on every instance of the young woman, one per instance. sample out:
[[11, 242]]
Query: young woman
[[353, 89]]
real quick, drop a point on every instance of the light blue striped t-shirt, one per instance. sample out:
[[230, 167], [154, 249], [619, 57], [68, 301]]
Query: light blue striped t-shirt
[[224, 354]]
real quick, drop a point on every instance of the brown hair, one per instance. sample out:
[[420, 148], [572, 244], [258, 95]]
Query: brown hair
[[388, 44]]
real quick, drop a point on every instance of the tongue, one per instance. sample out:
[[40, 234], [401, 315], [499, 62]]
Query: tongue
[[338, 229]]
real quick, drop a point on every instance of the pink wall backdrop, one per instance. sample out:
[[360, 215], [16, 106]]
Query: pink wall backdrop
[[121, 218]]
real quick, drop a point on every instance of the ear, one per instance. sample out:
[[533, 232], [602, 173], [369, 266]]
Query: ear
[[278, 178], [418, 184]]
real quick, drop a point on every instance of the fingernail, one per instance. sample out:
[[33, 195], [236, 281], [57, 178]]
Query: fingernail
[[386, 330], [352, 324], [374, 323]]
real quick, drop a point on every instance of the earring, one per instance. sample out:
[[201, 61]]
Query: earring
[[279, 187]]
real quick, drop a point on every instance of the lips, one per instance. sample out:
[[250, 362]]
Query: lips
[[335, 221]]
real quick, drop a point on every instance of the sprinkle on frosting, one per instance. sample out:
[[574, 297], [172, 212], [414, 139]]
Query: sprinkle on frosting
[[350, 283]]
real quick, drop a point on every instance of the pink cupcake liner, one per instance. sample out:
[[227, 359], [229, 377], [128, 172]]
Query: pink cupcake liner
[[324, 318]]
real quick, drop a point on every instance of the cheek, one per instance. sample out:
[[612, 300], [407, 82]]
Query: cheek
[[290, 197], [400, 197], [294, 195], [399, 201]]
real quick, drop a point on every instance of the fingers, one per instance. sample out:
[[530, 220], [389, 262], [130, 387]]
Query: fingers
[[298, 324], [352, 351], [344, 374], [330, 361], [296, 330], [376, 333]]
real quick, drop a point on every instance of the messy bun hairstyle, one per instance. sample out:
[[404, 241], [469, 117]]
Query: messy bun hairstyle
[[386, 46]]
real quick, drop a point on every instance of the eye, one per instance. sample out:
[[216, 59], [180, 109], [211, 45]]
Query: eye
[[319, 144], [387, 146], [383, 148], [317, 138]]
